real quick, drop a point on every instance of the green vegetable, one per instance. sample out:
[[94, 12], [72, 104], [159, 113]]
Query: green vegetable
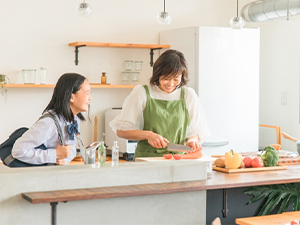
[[270, 156]]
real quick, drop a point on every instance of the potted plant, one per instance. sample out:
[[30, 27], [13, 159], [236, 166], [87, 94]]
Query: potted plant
[[3, 81]]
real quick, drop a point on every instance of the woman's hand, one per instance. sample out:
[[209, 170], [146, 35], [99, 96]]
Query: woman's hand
[[194, 145], [157, 141]]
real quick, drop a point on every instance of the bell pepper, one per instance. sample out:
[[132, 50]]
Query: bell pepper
[[233, 160]]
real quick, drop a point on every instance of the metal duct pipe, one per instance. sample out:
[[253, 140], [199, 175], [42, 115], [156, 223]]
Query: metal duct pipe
[[264, 10]]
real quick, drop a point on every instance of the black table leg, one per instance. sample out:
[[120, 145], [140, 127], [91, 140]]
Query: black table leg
[[53, 212]]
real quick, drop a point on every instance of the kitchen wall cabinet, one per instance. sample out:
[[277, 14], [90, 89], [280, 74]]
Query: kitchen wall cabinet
[[152, 47]]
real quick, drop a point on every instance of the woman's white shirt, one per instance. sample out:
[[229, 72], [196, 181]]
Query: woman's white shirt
[[131, 116], [44, 131]]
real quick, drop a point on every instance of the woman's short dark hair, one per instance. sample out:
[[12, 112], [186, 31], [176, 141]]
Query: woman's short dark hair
[[67, 84], [169, 64]]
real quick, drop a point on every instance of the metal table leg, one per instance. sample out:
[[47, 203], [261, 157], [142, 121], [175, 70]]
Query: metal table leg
[[53, 212]]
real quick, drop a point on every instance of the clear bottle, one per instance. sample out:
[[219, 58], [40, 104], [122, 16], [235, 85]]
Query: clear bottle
[[103, 78], [115, 154], [101, 154], [43, 75]]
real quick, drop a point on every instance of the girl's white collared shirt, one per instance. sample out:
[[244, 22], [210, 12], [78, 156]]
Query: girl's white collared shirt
[[44, 132]]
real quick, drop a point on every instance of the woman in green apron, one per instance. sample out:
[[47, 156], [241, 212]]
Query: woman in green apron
[[164, 111]]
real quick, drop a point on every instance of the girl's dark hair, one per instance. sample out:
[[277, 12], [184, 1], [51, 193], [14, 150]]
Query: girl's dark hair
[[169, 64], [67, 84]]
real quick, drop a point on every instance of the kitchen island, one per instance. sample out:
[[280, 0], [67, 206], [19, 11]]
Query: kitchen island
[[146, 209]]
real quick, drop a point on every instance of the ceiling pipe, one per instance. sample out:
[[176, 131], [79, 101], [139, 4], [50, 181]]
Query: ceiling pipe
[[264, 10]]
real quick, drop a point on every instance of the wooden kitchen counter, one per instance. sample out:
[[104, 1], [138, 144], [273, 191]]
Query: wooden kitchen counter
[[220, 180]]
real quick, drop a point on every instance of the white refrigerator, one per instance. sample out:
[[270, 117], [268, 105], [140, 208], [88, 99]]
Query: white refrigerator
[[224, 71]]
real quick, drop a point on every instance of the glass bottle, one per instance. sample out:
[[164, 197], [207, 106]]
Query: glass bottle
[[103, 78], [101, 154], [115, 154], [43, 75]]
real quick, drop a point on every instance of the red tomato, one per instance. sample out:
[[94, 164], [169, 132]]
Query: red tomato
[[294, 222], [256, 162], [177, 157], [168, 156], [247, 161]]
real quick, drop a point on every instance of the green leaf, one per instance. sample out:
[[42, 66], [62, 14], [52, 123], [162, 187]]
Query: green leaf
[[275, 195]]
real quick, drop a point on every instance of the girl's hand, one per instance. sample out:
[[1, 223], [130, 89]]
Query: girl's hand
[[157, 141], [60, 162], [194, 145], [62, 151]]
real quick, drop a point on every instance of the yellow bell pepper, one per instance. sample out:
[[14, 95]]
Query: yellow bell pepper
[[233, 160]]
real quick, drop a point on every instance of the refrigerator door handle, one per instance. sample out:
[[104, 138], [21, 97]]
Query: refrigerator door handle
[[214, 143]]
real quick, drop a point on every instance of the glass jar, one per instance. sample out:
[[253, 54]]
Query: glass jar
[[138, 65], [29, 76], [128, 65], [43, 75], [103, 78], [115, 154], [134, 77], [125, 77]]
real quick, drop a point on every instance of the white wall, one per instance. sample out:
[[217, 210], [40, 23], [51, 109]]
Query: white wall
[[36, 33]]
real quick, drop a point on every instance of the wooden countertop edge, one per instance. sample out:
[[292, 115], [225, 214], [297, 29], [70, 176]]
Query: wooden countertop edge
[[136, 190]]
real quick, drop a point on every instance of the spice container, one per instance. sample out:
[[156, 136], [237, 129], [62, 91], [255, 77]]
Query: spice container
[[43, 75], [103, 78], [138, 65], [134, 77], [128, 65], [125, 77]]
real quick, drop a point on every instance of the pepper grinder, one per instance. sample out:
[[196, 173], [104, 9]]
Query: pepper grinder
[[103, 78]]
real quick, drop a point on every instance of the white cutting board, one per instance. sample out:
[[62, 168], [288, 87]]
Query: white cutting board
[[162, 159]]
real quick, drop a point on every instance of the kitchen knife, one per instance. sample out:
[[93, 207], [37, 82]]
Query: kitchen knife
[[178, 148]]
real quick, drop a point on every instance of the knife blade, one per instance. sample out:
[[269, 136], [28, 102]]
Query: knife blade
[[178, 148]]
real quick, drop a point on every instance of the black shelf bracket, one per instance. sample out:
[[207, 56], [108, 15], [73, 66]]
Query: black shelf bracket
[[76, 53], [151, 55]]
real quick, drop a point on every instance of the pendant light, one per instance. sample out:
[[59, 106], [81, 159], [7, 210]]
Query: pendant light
[[164, 18], [237, 22], [84, 9]]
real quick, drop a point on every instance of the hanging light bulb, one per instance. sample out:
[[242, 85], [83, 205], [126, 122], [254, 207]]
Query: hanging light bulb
[[237, 22], [84, 9], [164, 18]]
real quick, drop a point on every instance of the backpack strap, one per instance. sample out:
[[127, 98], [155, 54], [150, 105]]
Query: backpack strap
[[9, 159], [59, 131]]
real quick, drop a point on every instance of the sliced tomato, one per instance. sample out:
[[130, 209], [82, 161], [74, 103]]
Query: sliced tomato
[[177, 157], [294, 222], [168, 156]]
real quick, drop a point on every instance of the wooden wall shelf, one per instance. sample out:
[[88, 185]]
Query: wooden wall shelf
[[53, 85], [79, 44]]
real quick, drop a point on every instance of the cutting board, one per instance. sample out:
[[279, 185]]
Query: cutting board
[[162, 159], [283, 218], [245, 170]]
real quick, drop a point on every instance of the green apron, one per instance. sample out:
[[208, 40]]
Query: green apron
[[169, 119]]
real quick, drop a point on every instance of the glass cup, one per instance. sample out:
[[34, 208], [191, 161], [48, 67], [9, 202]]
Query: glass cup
[[29, 76], [128, 65], [138, 65]]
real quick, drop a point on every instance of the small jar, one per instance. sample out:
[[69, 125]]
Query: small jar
[[125, 77], [103, 78], [43, 75], [134, 77], [128, 65], [138, 65]]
